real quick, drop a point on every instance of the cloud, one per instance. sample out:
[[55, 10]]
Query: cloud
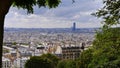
[[60, 17]]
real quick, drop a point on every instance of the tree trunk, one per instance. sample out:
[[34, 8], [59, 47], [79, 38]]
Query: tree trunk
[[1, 37], [4, 8]]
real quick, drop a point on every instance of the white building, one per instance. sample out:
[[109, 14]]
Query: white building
[[20, 62], [6, 63], [23, 61]]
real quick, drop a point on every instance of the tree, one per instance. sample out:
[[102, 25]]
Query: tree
[[71, 64], [67, 64], [38, 62], [85, 58], [106, 48], [107, 42], [25, 4], [110, 13], [105, 52], [62, 64], [43, 61], [54, 59]]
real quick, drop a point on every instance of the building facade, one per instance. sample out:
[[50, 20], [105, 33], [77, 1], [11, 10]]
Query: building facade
[[71, 52], [6, 63]]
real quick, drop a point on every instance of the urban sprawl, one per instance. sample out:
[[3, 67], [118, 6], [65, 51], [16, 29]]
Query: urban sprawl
[[20, 44]]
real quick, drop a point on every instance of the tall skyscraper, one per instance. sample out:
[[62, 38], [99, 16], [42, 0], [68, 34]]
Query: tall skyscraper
[[74, 26]]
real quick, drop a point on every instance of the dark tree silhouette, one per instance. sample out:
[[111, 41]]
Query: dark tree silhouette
[[38, 62]]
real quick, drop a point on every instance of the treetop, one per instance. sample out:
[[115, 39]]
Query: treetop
[[28, 4]]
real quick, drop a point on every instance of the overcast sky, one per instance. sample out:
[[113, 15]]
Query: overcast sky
[[61, 17]]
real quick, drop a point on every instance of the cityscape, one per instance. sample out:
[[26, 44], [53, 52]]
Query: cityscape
[[60, 33], [66, 43]]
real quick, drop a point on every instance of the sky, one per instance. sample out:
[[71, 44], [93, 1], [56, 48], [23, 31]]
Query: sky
[[61, 17]]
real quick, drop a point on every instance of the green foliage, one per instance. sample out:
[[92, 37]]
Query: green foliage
[[85, 58], [41, 3], [70, 64], [54, 59], [43, 61], [5, 51], [62, 64], [14, 43], [106, 47], [67, 64], [25, 4], [52, 3], [110, 12], [105, 52], [38, 62], [29, 4], [109, 37]]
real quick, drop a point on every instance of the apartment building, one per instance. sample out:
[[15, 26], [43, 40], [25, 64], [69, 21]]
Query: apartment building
[[71, 52]]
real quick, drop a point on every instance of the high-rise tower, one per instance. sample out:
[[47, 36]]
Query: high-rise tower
[[74, 26]]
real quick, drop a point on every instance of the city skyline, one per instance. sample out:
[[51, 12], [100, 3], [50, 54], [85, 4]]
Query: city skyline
[[61, 17]]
